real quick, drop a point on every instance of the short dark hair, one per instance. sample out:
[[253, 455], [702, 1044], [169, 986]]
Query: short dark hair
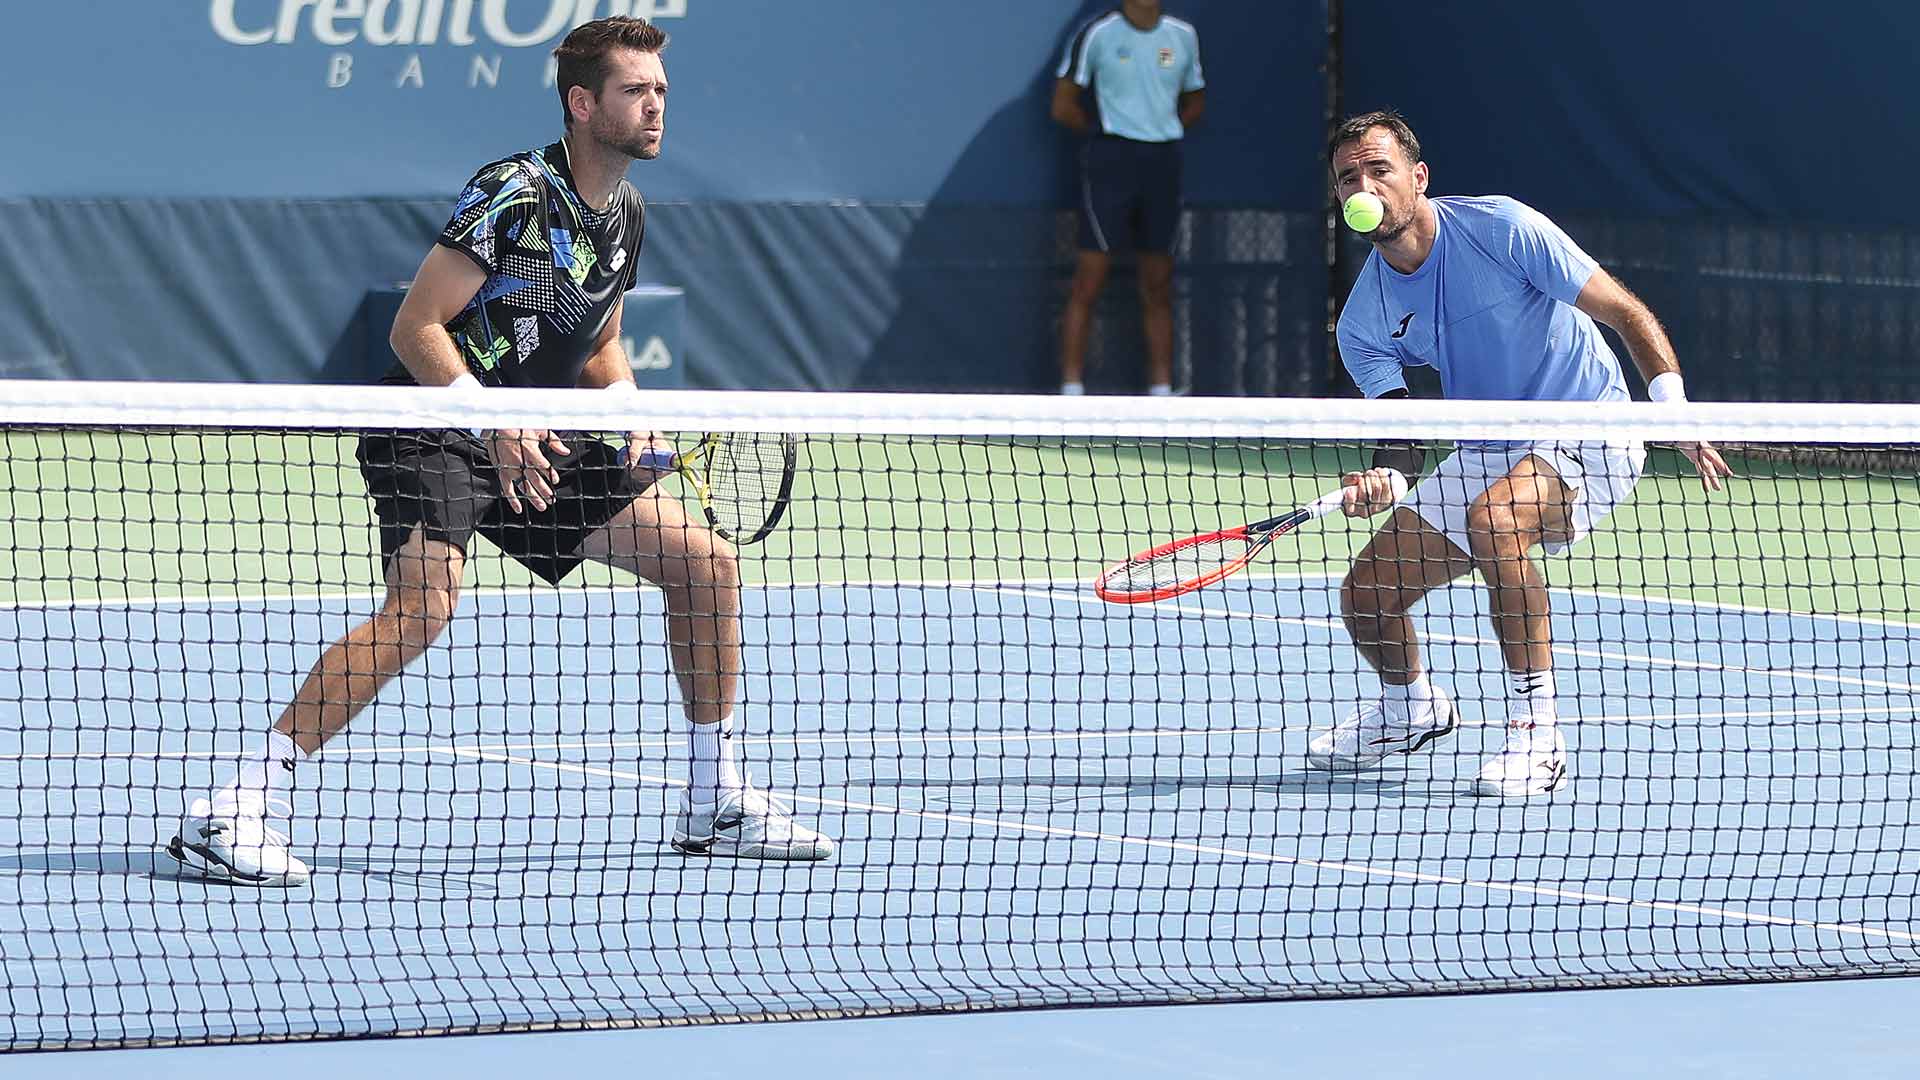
[[583, 55], [1356, 128]]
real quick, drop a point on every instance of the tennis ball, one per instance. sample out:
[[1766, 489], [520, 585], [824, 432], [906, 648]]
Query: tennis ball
[[1363, 211]]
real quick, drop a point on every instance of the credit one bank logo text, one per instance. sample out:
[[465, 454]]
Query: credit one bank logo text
[[477, 26]]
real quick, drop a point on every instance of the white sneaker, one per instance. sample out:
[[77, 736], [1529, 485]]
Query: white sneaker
[[1533, 763], [746, 823], [237, 846], [1373, 732]]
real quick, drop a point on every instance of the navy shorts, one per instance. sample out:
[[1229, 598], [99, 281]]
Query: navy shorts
[[1129, 195], [442, 483]]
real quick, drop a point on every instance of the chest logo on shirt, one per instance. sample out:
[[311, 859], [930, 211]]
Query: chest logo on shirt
[[1404, 323], [1124, 55], [1166, 58], [619, 260]]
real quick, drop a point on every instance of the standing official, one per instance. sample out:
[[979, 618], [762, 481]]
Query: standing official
[[1144, 69]]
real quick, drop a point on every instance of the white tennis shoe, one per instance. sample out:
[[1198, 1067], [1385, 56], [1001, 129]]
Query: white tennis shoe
[[1374, 732], [746, 823], [1534, 762], [237, 846]]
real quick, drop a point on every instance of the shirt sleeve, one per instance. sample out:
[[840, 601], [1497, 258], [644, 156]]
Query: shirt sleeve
[[496, 211], [1546, 256], [1074, 64], [1375, 370], [1196, 79]]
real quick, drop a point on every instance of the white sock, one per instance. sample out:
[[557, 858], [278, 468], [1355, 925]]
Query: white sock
[[1160, 389], [1531, 702], [260, 772], [1073, 389], [716, 762], [1416, 697]]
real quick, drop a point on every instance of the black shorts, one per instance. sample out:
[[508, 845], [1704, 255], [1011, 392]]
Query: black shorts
[[1129, 195], [442, 483]]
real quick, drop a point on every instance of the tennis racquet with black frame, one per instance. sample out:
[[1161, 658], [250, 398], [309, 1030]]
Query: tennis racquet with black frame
[[1182, 566], [744, 479]]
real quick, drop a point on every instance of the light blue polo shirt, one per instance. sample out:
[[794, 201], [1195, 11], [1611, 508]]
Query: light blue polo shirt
[[1491, 310], [1137, 75]]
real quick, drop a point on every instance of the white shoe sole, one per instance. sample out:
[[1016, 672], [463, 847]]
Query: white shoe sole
[[204, 862], [1495, 789], [1411, 746], [716, 848]]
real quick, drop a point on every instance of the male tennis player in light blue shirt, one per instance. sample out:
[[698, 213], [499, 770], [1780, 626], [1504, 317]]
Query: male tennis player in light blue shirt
[[1144, 68], [1502, 304]]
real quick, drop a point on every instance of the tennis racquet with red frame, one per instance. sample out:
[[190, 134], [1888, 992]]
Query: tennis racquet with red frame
[[1178, 568]]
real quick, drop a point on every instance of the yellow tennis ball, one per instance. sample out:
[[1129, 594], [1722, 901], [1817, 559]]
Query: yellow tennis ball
[[1364, 211]]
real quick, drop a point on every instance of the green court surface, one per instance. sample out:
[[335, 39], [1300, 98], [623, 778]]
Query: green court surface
[[98, 515]]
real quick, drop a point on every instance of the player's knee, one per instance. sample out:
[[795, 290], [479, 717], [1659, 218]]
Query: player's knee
[[1494, 535], [1156, 288], [1363, 595], [421, 614], [1087, 282], [722, 565]]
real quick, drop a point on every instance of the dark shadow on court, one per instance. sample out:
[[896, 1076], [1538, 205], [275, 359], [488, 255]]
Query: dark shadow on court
[[1037, 791], [467, 873]]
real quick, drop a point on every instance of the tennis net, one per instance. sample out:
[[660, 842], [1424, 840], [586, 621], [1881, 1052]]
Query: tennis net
[[1038, 797]]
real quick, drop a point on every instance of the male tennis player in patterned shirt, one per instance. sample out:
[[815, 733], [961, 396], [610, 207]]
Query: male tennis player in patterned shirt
[[524, 289], [1503, 304], [1144, 68]]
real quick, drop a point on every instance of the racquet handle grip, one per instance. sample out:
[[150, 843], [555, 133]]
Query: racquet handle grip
[[1328, 503], [652, 458]]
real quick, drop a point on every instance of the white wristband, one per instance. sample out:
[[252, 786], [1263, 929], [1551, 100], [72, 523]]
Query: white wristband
[[622, 387], [1667, 386], [1399, 481], [466, 381]]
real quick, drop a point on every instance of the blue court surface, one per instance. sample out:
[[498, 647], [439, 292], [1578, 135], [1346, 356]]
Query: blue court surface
[[1041, 800]]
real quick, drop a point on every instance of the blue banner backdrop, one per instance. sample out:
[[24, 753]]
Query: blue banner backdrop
[[210, 186]]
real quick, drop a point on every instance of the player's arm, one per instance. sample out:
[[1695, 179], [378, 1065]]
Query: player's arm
[[445, 283], [1394, 466], [1069, 108], [609, 369], [1193, 105], [1377, 373], [441, 290], [1612, 304]]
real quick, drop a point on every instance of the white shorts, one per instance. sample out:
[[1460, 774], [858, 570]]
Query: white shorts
[[1600, 475]]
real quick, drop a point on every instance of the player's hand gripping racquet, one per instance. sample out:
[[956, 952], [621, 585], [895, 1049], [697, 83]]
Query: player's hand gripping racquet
[[744, 479], [1198, 561]]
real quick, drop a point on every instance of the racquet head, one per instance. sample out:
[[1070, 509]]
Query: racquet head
[[1171, 570], [746, 481]]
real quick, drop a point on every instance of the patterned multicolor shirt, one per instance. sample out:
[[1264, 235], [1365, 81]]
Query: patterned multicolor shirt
[[555, 269]]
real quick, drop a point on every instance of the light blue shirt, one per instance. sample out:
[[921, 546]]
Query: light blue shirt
[[1137, 75], [1491, 310]]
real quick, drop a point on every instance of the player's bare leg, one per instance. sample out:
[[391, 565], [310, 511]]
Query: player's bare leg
[[1089, 277], [699, 572], [225, 835], [1156, 315], [1403, 562], [1529, 505]]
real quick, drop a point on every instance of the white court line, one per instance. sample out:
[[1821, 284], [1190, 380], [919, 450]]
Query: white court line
[[1072, 584], [930, 739], [1361, 869], [662, 742], [1317, 623]]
